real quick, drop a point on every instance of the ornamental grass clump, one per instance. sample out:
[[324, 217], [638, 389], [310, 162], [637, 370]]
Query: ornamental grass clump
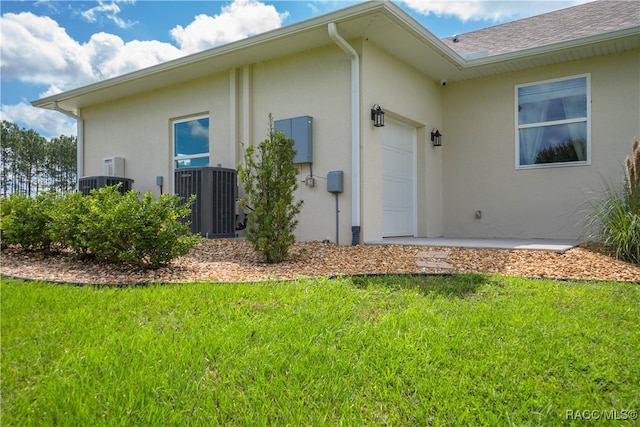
[[618, 215], [633, 171]]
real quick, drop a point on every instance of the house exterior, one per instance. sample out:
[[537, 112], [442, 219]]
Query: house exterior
[[534, 115]]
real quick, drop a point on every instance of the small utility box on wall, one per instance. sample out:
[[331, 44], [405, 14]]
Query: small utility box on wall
[[300, 129], [335, 182], [335, 185]]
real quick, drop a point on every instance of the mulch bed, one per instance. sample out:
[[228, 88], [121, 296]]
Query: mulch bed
[[236, 261]]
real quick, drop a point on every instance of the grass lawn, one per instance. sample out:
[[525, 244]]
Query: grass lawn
[[460, 350]]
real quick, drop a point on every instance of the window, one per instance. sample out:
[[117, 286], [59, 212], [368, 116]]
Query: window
[[552, 123], [191, 142]]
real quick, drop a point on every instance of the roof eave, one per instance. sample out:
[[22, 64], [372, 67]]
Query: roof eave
[[466, 68], [49, 102], [552, 48]]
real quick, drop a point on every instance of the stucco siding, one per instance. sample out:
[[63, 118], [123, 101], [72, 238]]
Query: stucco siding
[[408, 96], [317, 84], [479, 172], [139, 130]]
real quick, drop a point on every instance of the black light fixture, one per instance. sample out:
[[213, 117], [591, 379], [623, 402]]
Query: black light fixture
[[377, 115], [436, 137]]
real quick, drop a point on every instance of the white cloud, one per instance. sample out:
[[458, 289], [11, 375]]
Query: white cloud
[[110, 56], [53, 89], [35, 49], [110, 11], [46, 122], [483, 10], [237, 20]]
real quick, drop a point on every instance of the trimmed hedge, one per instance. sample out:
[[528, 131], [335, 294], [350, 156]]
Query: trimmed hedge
[[106, 225]]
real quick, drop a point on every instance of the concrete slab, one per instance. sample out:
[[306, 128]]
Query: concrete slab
[[475, 243], [438, 255], [434, 264]]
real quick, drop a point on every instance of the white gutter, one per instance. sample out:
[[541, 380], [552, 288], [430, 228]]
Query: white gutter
[[355, 130], [79, 138]]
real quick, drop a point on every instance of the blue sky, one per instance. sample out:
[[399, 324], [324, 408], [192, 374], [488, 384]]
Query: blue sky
[[50, 46]]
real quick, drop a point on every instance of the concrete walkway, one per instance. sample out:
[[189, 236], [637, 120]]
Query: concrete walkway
[[458, 242]]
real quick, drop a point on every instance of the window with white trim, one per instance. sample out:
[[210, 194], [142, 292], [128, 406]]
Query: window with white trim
[[191, 142], [553, 123]]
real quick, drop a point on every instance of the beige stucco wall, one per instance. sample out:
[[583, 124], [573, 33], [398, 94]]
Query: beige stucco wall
[[139, 130], [317, 84], [238, 102], [409, 97], [479, 153]]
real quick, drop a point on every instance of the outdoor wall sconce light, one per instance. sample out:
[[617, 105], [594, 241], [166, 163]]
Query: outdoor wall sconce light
[[377, 115], [436, 137]]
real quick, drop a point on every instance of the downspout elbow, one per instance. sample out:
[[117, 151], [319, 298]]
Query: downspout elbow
[[342, 43], [355, 129], [65, 112]]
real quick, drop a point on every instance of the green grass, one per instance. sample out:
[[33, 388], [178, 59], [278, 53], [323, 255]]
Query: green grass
[[460, 350]]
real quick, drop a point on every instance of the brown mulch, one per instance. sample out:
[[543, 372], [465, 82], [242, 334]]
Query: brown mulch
[[235, 261]]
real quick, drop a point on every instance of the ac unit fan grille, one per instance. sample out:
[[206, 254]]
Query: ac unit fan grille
[[88, 183], [213, 211]]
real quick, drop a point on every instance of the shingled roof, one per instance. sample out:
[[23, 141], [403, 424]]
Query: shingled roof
[[575, 22]]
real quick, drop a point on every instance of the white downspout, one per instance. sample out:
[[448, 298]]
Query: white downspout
[[355, 130], [79, 138]]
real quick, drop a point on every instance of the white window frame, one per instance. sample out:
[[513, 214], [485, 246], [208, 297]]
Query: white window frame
[[587, 120], [174, 122]]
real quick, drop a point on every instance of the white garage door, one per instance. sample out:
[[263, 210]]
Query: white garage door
[[398, 177]]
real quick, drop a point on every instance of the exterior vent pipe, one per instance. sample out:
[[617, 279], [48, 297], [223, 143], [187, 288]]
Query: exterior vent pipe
[[355, 130]]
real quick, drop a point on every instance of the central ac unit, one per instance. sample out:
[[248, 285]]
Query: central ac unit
[[88, 183], [213, 212]]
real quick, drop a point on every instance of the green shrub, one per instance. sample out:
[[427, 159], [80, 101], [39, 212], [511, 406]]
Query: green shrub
[[270, 179], [150, 231], [25, 221], [617, 216], [106, 225], [137, 230], [68, 228], [100, 225]]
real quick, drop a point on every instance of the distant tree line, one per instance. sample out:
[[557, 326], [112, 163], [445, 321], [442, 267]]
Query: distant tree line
[[30, 164]]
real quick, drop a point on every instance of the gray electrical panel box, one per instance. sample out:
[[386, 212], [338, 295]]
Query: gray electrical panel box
[[335, 182], [300, 129]]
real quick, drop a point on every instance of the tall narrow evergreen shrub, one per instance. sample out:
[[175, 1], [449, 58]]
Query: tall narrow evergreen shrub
[[269, 179]]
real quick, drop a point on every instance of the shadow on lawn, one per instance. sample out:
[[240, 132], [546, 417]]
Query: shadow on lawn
[[448, 285]]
